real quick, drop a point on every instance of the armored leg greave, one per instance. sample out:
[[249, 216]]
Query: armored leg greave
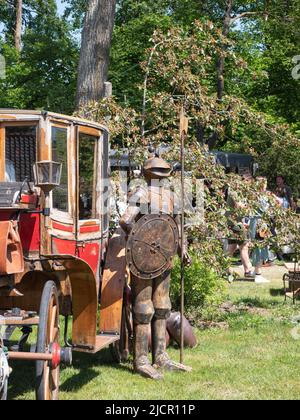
[[142, 314], [161, 358], [162, 307]]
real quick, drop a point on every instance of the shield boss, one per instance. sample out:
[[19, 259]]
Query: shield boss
[[151, 246]]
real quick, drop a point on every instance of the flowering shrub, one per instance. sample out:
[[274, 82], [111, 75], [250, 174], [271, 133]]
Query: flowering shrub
[[203, 286]]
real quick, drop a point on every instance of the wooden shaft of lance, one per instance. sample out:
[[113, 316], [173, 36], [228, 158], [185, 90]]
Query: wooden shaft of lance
[[183, 134], [184, 124]]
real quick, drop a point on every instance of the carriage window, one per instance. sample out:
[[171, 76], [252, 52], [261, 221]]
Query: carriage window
[[88, 157], [105, 180], [60, 154], [20, 153]]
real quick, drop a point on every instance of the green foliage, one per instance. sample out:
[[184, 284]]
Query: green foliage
[[203, 286], [43, 75], [75, 11], [129, 10], [278, 40], [129, 49], [177, 73]]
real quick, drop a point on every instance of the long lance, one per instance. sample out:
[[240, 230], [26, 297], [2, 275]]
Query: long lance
[[183, 134]]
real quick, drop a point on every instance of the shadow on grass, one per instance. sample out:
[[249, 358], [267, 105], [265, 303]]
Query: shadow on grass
[[243, 280], [263, 303], [255, 302], [277, 292], [22, 379], [86, 365]]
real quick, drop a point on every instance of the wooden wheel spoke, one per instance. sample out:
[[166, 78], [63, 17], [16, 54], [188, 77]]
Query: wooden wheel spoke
[[46, 381], [53, 326], [48, 333], [54, 380], [51, 317], [55, 335]]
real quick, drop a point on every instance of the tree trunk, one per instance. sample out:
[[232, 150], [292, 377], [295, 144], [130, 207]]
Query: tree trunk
[[18, 28], [213, 139], [221, 60], [95, 51]]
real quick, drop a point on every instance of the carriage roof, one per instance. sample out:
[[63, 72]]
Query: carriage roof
[[16, 115]]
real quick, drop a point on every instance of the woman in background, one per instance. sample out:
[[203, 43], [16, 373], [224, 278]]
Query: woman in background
[[259, 231]]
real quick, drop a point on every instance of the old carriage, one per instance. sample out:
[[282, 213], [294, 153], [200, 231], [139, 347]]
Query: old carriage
[[56, 259]]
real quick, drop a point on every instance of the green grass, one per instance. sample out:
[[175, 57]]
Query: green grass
[[256, 358]]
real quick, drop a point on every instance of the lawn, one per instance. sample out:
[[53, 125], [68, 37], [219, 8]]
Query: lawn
[[253, 356]]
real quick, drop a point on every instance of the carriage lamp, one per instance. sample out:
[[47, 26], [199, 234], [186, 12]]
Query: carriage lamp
[[47, 176]]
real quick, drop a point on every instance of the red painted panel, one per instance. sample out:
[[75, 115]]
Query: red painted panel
[[29, 229], [64, 228], [89, 229], [30, 232], [90, 253], [63, 247], [29, 199]]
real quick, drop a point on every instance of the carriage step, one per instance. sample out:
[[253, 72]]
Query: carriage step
[[102, 341]]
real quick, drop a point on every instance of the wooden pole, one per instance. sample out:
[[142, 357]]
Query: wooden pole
[[183, 134]]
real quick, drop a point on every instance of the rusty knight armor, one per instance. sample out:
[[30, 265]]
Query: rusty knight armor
[[152, 226]]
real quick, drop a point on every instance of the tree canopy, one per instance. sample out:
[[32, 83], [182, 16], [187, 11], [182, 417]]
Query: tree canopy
[[229, 63], [253, 62]]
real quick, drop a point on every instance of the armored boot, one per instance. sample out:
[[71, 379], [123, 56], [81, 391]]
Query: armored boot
[[141, 362], [160, 355]]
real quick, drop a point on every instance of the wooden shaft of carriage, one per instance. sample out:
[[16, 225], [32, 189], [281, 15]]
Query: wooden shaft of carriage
[[183, 134]]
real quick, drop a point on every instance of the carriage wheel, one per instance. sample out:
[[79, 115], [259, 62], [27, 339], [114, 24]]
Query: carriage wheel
[[47, 386]]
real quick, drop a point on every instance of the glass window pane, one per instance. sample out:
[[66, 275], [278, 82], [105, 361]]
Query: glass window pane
[[60, 155], [105, 182], [20, 153], [88, 152]]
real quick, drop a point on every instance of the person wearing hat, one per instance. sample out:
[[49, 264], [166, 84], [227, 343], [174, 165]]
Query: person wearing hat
[[151, 300]]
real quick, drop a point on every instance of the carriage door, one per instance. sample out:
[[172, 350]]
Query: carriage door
[[90, 197]]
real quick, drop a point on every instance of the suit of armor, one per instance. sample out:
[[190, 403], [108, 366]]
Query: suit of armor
[[151, 300]]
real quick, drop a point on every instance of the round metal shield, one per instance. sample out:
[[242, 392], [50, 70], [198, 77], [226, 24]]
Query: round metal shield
[[151, 246]]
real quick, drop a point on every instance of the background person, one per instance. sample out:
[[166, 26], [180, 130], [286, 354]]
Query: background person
[[259, 231], [241, 230], [284, 193]]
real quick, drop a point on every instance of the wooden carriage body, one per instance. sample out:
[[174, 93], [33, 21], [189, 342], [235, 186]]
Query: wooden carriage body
[[69, 244]]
